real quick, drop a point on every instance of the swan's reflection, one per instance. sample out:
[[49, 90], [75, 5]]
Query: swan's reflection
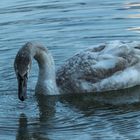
[[46, 106], [123, 101], [125, 98], [46, 111], [119, 97], [23, 133]]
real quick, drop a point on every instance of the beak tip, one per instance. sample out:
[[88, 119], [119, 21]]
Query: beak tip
[[22, 98]]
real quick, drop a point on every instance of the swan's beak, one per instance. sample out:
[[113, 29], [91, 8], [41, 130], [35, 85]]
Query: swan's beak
[[22, 88]]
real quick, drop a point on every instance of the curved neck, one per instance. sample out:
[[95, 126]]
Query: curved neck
[[46, 83]]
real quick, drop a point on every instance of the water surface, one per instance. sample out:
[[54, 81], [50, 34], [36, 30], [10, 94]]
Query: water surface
[[66, 27]]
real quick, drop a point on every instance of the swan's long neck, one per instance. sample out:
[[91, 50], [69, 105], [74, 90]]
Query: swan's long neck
[[46, 83]]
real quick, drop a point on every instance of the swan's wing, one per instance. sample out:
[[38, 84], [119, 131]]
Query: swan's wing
[[86, 71]]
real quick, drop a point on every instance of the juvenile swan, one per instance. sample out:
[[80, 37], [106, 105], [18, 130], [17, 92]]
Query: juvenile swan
[[110, 66]]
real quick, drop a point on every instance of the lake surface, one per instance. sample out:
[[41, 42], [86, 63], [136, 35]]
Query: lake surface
[[66, 27]]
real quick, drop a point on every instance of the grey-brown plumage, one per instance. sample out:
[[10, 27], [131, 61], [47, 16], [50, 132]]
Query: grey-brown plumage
[[100, 68]]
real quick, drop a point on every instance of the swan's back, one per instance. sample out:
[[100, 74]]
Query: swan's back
[[111, 66]]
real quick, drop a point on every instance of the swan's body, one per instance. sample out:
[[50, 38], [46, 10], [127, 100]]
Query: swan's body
[[110, 66]]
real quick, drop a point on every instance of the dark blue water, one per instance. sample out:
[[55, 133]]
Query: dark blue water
[[66, 27]]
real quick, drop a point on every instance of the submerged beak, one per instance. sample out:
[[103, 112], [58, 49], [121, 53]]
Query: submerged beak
[[22, 88]]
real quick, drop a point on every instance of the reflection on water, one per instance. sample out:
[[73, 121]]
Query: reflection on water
[[84, 116], [22, 133], [66, 27]]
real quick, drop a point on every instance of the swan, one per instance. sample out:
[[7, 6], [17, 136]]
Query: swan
[[108, 66]]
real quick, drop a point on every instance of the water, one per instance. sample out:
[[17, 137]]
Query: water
[[66, 27]]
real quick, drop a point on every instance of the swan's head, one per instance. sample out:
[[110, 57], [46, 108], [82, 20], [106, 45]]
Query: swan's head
[[22, 66]]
